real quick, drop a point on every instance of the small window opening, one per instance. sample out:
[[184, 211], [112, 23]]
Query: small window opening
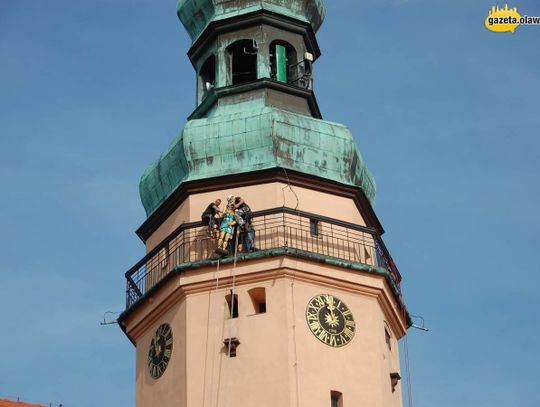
[[387, 336], [207, 74], [284, 67], [243, 61], [314, 227], [336, 399], [258, 298], [232, 305]]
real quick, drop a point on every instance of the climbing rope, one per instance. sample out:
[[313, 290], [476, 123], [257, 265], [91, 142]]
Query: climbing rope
[[407, 362], [231, 314], [216, 277]]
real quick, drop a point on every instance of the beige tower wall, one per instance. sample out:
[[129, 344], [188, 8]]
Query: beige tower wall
[[279, 361], [167, 390], [260, 197]]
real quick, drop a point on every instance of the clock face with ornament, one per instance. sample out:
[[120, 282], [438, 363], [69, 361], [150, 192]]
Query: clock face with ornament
[[330, 320], [160, 351]]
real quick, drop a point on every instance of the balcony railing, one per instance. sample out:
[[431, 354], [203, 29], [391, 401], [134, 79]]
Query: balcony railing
[[274, 228]]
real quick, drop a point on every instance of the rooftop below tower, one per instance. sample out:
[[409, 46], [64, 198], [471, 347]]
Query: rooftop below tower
[[196, 15]]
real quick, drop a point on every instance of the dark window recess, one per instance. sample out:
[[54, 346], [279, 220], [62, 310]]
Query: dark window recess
[[243, 56], [336, 399], [232, 303], [258, 298], [207, 74], [314, 227], [387, 338]]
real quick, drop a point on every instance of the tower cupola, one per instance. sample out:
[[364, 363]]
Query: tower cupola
[[267, 44], [256, 108]]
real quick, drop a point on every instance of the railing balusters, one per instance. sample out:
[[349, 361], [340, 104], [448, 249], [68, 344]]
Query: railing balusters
[[279, 227]]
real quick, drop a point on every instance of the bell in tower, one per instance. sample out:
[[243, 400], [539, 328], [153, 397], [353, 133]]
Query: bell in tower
[[265, 280]]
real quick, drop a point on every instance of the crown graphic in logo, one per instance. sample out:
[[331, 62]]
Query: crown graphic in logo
[[502, 19]]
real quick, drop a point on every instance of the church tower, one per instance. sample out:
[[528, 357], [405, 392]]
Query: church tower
[[310, 315]]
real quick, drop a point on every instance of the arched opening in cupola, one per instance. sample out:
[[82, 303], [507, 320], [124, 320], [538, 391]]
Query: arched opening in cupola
[[207, 75], [243, 61], [283, 62]]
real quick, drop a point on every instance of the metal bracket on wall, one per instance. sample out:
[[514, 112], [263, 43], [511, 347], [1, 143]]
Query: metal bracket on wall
[[231, 344]]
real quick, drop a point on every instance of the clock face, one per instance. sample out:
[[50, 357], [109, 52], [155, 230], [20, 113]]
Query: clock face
[[160, 351], [330, 320]]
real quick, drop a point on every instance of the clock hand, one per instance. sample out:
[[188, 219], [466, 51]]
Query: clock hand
[[157, 346], [330, 307]]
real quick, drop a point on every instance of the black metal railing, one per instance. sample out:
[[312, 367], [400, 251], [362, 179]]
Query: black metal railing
[[274, 228]]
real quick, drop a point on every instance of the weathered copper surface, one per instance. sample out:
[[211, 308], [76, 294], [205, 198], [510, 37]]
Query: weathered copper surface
[[197, 14]]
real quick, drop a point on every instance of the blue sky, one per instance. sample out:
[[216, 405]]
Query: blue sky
[[446, 114]]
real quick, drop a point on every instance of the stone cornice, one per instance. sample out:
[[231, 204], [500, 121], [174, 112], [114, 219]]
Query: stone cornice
[[255, 18], [194, 281]]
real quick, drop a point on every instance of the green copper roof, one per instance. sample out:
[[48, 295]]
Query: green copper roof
[[253, 137], [197, 14]]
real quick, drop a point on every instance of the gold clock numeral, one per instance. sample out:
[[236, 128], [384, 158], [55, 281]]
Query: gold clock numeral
[[319, 302], [348, 333], [332, 340], [322, 335]]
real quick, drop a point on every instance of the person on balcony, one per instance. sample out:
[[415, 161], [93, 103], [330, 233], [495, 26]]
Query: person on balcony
[[244, 220], [210, 216]]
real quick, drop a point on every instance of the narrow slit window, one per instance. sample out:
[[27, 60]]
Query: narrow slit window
[[232, 304], [258, 299], [336, 399], [314, 227], [387, 336]]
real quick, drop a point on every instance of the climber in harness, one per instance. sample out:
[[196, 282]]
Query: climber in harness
[[210, 216], [244, 219]]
